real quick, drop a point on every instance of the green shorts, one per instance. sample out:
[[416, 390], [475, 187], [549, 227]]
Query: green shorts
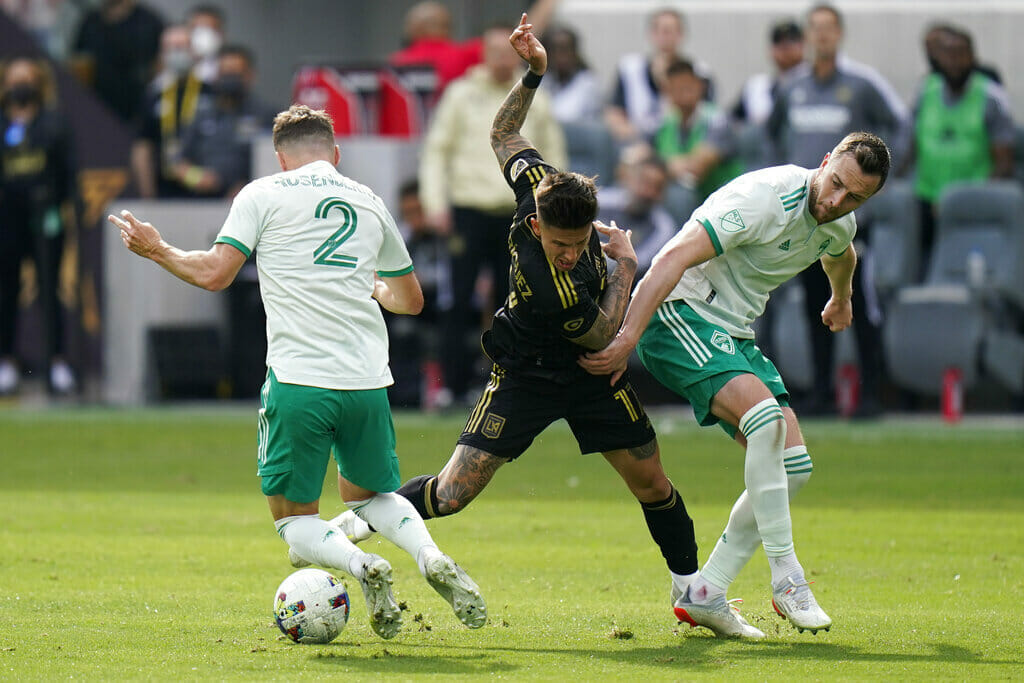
[[695, 359], [298, 427]]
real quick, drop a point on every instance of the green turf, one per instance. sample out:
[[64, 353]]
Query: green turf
[[136, 544]]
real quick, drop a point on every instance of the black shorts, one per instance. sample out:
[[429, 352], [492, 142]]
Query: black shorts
[[515, 409]]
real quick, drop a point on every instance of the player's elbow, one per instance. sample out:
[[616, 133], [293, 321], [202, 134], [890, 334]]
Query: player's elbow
[[215, 282]]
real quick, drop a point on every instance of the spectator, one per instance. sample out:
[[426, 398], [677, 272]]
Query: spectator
[[464, 192], [573, 86], [414, 339], [636, 203], [172, 100], [118, 43], [216, 147], [206, 23], [836, 97], [695, 138], [37, 192], [427, 31], [962, 127], [636, 111], [757, 97], [933, 40]]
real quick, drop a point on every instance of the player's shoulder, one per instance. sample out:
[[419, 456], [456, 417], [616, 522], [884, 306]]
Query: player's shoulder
[[767, 188]]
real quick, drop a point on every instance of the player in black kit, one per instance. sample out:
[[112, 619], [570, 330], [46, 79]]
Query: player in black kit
[[562, 303]]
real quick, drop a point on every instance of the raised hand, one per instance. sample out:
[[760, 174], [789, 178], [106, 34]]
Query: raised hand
[[529, 47]]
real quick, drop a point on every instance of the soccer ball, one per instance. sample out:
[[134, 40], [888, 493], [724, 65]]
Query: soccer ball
[[311, 606]]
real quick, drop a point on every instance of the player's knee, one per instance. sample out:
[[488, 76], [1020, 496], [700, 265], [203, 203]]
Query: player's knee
[[764, 425]]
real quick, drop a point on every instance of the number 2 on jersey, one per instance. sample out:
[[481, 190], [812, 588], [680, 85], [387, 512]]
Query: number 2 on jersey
[[327, 253]]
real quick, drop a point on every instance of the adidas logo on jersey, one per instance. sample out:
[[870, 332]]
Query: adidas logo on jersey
[[784, 246]]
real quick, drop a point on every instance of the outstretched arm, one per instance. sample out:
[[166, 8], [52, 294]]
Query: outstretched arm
[[690, 247], [505, 138], [213, 269]]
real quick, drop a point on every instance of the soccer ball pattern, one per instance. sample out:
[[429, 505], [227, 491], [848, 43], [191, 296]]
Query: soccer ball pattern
[[311, 606]]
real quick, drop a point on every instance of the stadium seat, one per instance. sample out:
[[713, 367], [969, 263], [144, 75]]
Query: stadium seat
[[894, 237], [930, 329], [591, 150], [979, 226], [963, 316]]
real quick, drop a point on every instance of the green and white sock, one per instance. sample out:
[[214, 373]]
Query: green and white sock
[[396, 519]]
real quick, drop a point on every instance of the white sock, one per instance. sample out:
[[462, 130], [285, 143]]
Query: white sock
[[680, 582], [360, 529], [321, 543], [783, 567], [765, 475], [396, 519], [703, 591], [740, 540]]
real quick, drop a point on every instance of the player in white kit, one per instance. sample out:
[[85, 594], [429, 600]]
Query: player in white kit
[[329, 257], [690, 322]]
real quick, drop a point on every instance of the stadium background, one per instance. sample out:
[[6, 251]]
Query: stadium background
[[730, 35]]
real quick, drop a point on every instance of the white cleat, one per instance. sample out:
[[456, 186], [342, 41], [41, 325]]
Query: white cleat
[[297, 561], [9, 378], [793, 600], [455, 586], [385, 614], [352, 526], [719, 615]]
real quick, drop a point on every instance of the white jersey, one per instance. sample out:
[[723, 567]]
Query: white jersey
[[763, 235], [319, 239]]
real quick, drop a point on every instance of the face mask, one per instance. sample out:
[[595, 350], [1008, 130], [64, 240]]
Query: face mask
[[22, 94], [178, 61], [231, 86], [205, 41]]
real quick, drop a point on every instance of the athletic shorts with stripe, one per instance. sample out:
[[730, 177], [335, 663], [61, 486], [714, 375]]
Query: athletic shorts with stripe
[[299, 426], [695, 359], [514, 409]]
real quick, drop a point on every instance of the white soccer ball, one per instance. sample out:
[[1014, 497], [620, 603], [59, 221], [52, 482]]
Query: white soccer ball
[[311, 606]]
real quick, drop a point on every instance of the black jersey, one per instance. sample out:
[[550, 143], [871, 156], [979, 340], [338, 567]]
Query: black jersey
[[546, 308]]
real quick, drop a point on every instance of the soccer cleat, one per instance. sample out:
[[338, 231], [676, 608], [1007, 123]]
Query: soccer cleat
[[718, 615], [62, 380], [385, 615], [794, 601], [455, 586], [353, 527], [297, 561]]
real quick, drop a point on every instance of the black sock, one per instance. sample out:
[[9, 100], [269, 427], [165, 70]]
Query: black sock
[[672, 529], [421, 492]]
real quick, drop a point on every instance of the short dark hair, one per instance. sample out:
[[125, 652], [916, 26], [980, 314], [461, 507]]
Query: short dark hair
[[870, 152], [786, 30], [238, 50], [680, 66], [300, 124], [409, 188], [567, 200]]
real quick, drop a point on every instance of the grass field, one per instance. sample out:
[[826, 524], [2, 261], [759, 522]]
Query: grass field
[[136, 544]]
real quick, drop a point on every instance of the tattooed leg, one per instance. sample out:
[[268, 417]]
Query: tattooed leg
[[467, 474]]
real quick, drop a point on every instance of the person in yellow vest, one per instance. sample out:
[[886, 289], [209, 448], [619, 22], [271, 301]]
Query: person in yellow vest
[[171, 103], [962, 127]]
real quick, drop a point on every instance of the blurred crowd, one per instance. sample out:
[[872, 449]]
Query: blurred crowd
[[660, 139]]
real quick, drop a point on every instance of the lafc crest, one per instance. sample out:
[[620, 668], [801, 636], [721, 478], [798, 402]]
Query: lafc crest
[[493, 424]]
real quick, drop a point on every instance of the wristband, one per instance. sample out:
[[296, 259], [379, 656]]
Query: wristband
[[531, 80]]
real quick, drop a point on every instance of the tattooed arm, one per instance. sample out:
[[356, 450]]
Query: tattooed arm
[[505, 138], [616, 292]]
